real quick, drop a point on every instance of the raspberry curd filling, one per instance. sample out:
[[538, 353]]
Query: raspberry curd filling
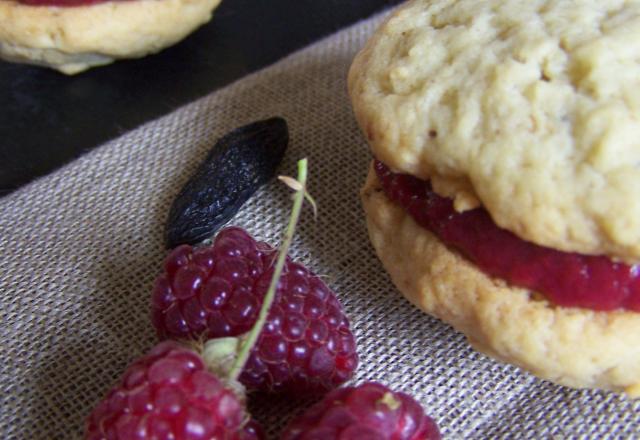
[[564, 278], [66, 3]]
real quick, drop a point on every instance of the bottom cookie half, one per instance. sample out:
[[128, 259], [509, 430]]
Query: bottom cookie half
[[570, 346]]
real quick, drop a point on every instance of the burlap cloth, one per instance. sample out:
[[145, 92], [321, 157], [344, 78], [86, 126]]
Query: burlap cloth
[[80, 248]]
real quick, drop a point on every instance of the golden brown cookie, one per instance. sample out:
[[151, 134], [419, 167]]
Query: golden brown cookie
[[530, 108], [571, 346], [73, 39]]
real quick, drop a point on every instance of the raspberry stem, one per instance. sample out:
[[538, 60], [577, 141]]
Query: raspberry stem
[[251, 337]]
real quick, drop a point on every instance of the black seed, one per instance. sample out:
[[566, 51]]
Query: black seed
[[238, 164]]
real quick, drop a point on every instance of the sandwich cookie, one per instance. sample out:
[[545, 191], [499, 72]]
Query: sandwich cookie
[[503, 194], [74, 35]]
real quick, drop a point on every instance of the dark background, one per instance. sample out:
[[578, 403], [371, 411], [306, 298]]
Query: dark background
[[47, 119]]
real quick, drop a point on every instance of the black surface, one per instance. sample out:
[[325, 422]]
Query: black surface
[[47, 119]]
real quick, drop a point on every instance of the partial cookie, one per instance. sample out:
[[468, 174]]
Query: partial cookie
[[570, 346], [530, 108], [73, 39]]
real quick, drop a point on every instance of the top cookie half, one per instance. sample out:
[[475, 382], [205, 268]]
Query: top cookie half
[[530, 108]]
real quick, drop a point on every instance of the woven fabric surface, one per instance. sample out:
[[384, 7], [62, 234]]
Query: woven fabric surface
[[80, 249]]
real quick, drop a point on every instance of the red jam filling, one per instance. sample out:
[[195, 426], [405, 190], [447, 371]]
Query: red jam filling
[[68, 3], [564, 278]]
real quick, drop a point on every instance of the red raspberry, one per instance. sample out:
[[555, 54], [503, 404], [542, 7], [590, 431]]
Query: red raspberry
[[369, 411], [306, 345], [168, 394]]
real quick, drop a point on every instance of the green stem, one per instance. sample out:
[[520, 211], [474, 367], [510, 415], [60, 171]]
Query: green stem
[[252, 336]]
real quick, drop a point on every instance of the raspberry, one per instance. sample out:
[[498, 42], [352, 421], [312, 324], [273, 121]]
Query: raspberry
[[168, 394], [216, 291], [565, 278], [369, 411]]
